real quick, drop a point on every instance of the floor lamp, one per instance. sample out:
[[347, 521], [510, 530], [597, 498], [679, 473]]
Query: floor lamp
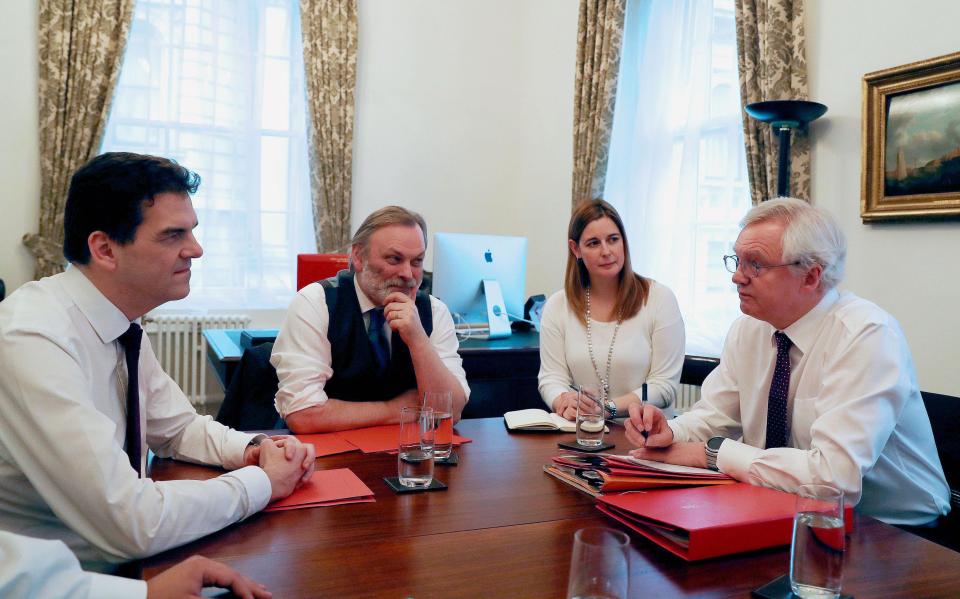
[[784, 116]]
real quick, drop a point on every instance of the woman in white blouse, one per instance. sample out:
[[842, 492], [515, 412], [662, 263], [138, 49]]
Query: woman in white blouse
[[609, 328]]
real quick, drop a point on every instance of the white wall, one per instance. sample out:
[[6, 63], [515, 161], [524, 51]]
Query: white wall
[[19, 166], [910, 269], [464, 113]]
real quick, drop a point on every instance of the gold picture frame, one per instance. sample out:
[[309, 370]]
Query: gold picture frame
[[911, 141]]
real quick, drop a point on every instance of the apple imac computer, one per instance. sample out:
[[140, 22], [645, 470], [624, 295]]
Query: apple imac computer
[[481, 278]]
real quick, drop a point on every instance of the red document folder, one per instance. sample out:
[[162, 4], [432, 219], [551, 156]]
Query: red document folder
[[381, 438], [703, 522], [327, 443], [326, 488]]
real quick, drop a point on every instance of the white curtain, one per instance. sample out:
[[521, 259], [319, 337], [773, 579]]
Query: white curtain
[[218, 86], [677, 164]]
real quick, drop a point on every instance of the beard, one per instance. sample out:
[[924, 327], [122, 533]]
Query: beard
[[377, 288]]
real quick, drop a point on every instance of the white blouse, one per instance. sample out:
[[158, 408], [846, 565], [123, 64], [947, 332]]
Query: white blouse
[[649, 348]]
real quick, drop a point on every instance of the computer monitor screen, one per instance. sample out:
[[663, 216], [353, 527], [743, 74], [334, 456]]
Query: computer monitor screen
[[462, 261]]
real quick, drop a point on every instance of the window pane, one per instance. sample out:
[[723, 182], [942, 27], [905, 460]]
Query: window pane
[[215, 85], [676, 170]]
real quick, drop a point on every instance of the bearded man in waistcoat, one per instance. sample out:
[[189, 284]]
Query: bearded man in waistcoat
[[356, 348]]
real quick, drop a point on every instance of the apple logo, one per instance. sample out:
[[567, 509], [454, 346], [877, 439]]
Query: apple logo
[[488, 256]]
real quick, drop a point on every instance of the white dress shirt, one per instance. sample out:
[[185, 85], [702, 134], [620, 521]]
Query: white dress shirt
[[857, 420], [63, 470], [301, 353], [41, 569], [649, 348]]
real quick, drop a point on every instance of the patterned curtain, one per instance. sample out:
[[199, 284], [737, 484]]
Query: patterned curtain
[[80, 47], [599, 39], [330, 61], [773, 66]]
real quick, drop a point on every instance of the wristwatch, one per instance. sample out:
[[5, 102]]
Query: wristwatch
[[712, 447], [611, 408]]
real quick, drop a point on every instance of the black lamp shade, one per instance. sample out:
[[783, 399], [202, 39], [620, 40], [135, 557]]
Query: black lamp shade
[[796, 112]]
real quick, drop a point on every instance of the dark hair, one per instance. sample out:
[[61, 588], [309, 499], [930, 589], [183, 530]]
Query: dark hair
[[633, 289], [109, 192]]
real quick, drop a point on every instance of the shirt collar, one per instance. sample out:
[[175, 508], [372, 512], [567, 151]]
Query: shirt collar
[[804, 331], [365, 304], [105, 318]]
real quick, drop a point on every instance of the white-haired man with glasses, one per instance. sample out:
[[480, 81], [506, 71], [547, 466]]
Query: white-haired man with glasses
[[814, 385]]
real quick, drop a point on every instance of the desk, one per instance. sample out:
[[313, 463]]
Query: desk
[[502, 373], [505, 529]]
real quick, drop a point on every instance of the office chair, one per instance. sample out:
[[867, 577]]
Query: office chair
[[315, 267]]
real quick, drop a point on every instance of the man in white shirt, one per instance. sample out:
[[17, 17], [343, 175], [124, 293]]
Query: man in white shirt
[[813, 386], [40, 569], [79, 407], [356, 348]]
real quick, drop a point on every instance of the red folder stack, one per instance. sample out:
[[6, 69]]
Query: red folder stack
[[614, 473], [702, 522]]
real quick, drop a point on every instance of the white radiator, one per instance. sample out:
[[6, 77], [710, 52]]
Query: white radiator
[[688, 395], [181, 348]]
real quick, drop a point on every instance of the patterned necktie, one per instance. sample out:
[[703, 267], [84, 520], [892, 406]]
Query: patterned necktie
[[131, 348], [378, 340], [777, 405]]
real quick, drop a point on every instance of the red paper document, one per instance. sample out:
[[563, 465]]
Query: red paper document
[[382, 438], [327, 443], [326, 488]]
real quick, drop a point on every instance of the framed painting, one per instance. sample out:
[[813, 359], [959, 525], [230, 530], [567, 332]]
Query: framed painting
[[911, 141]]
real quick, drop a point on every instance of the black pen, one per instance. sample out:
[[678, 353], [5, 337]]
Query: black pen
[[643, 402]]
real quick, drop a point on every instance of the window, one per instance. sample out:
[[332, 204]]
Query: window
[[677, 166], [217, 85]]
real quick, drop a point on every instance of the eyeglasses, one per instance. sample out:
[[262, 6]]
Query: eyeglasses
[[751, 268]]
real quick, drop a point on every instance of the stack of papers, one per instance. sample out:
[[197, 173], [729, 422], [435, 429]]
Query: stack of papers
[[608, 473], [326, 488], [368, 440]]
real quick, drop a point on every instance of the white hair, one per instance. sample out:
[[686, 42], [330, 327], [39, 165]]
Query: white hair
[[811, 236]]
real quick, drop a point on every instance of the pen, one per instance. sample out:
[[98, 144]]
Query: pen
[[643, 402]]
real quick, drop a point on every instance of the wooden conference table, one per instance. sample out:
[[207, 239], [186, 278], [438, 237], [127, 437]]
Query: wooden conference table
[[505, 529]]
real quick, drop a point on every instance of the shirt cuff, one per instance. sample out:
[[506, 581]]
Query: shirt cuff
[[104, 586], [735, 458], [257, 484], [236, 446]]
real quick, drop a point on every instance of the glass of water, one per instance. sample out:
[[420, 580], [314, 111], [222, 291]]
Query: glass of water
[[599, 565], [441, 402], [816, 553], [590, 417], [415, 459]]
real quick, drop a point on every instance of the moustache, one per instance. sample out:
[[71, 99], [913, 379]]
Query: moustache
[[402, 283]]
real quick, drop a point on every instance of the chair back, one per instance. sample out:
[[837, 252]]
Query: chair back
[[696, 368], [314, 267], [942, 410], [248, 402]]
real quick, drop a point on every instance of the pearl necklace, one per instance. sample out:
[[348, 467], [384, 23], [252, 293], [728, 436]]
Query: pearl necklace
[[604, 380]]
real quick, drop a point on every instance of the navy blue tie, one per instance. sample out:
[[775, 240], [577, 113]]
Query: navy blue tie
[[131, 348], [378, 340], [777, 427]]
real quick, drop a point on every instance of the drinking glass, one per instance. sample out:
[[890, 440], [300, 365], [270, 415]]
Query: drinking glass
[[816, 553], [599, 566], [590, 417], [441, 402], [415, 458]]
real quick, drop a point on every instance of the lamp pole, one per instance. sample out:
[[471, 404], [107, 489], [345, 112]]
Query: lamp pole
[[784, 117]]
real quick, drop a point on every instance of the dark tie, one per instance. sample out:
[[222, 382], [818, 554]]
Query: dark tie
[[378, 341], [777, 405], [131, 348]]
